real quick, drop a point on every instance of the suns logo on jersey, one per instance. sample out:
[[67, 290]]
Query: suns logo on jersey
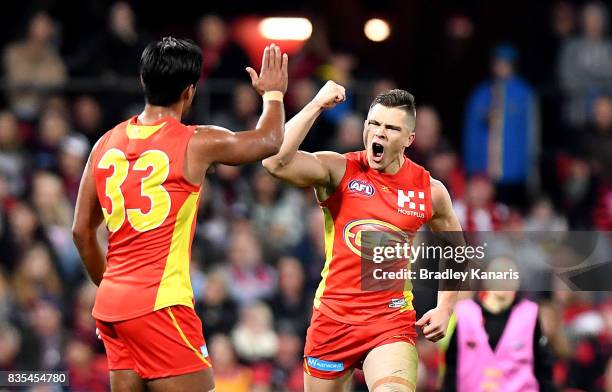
[[380, 233]]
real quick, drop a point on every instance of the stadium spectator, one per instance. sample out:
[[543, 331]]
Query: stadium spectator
[[88, 118], [479, 211], [543, 217], [496, 341], [311, 250], [276, 213], [285, 372], [251, 278], [230, 376], [13, 159], [33, 62], [121, 45], [578, 190], [55, 212], [597, 140], [10, 345], [429, 140], [339, 68], [215, 306], [222, 57], [445, 166], [83, 326], [501, 134], [26, 230], [52, 129], [73, 153], [35, 278], [87, 370], [585, 66], [244, 109], [45, 319], [349, 134], [254, 337], [292, 302]]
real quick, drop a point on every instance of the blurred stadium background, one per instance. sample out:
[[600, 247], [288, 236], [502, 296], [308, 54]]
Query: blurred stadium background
[[69, 72]]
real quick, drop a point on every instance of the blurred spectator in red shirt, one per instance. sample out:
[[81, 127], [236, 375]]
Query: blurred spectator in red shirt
[[251, 278], [285, 372], [87, 370], [478, 211]]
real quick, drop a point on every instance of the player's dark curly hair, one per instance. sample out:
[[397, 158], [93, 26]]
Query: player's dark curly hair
[[167, 67], [396, 98]]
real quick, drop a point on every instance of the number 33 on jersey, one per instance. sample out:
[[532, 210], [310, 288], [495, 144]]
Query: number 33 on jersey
[[149, 209]]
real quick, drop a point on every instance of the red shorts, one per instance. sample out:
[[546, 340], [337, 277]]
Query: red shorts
[[167, 342], [333, 348]]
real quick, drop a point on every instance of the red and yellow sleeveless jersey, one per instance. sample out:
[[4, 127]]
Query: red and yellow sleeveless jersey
[[367, 200], [149, 209]]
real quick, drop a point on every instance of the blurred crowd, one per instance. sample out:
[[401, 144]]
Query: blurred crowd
[[532, 154]]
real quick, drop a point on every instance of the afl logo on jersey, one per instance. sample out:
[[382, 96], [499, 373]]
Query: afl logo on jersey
[[360, 186], [353, 235]]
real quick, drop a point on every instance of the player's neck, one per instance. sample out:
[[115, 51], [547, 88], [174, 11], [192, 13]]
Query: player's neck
[[394, 166], [152, 113]]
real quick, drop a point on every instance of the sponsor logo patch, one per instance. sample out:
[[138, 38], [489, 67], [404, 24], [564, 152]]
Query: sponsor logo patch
[[327, 366], [204, 351], [360, 186], [397, 303], [411, 203]]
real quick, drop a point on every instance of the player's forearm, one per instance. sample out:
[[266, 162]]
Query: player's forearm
[[447, 300], [296, 130], [270, 128], [91, 254]]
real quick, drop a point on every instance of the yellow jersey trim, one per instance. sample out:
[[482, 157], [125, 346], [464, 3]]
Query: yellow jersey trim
[[329, 253], [135, 131], [175, 285]]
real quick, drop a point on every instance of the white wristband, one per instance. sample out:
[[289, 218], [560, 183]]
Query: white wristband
[[273, 96]]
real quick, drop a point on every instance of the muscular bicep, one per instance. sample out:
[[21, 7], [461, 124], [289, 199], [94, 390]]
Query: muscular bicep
[[444, 217], [319, 169]]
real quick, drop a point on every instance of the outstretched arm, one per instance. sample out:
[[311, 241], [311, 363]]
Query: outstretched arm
[[444, 220], [320, 169], [87, 218], [213, 144]]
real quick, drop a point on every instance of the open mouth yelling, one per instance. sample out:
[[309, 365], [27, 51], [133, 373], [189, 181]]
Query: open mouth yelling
[[378, 151]]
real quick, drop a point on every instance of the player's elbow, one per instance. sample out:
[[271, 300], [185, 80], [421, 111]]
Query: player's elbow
[[80, 233], [272, 164], [273, 140]]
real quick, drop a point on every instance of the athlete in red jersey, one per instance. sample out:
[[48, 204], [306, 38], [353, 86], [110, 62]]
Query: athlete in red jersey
[[378, 189], [143, 179]]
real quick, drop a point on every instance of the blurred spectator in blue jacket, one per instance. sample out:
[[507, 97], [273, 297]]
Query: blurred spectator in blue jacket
[[502, 129]]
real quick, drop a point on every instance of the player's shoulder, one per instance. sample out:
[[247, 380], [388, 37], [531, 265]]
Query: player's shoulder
[[356, 159], [440, 197]]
